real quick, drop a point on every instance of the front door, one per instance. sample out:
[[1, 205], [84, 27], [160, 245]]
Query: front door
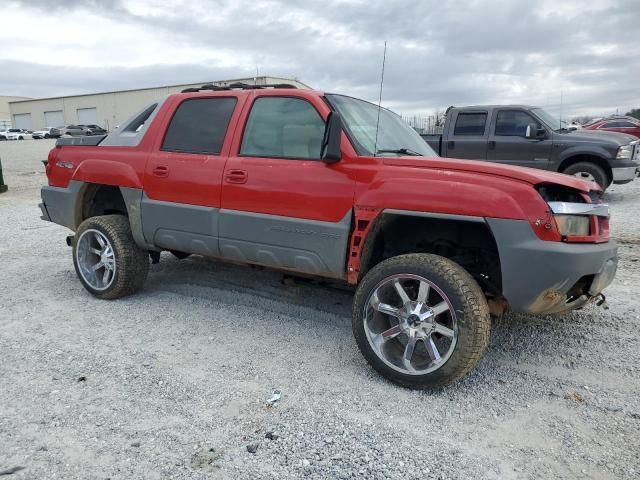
[[281, 205], [508, 142], [183, 176]]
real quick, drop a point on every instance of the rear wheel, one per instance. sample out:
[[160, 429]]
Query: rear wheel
[[107, 260], [590, 172], [420, 320]]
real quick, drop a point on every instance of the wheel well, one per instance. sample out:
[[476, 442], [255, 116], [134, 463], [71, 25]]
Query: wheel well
[[98, 200], [470, 244], [567, 162]]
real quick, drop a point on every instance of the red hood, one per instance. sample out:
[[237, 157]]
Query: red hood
[[524, 174]]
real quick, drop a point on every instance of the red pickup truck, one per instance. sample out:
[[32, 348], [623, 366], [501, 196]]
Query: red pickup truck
[[332, 186]]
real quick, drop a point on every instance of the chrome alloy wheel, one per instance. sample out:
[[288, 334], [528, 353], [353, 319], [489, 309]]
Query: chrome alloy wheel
[[585, 176], [95, 259], [410, 324]]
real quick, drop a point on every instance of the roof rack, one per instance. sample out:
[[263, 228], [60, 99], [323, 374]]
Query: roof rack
[[236, 86]]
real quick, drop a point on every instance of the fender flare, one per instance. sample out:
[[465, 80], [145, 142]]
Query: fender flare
[[133, 201], [597, 152], [104, 172], [375, 222]]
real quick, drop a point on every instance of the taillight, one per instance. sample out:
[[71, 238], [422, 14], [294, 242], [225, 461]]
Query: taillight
[[55, 176]]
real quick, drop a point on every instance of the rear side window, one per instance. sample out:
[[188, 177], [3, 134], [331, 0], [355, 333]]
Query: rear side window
[[138, 122], [470, 123], [283, 127], [513, 123], [199, 125]]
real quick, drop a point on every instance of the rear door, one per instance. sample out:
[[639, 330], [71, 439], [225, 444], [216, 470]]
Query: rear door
[[184, 173], [466, 135], [281, 205], [508, 143]]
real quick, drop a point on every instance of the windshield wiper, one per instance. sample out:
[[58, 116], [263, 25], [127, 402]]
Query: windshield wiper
[[402, 151]]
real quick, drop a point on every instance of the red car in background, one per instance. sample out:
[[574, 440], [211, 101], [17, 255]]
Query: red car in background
[[622, 125]]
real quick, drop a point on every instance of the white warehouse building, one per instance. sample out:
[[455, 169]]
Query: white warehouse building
[[107, 109], [5, 113]]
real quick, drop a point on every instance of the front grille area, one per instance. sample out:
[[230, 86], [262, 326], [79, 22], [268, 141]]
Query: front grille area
[[558, 193], [595, 196]]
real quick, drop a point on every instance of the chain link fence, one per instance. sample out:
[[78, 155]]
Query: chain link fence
[[426, 124]]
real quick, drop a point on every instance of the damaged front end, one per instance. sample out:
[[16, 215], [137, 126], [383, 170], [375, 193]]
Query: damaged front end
[[566, 267], [586, 290]]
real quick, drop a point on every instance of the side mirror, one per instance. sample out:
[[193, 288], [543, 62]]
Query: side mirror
[[330, 151], [533, 132]]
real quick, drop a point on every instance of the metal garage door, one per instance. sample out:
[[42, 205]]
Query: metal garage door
[[87, 116], [22, 120], [54, 118]]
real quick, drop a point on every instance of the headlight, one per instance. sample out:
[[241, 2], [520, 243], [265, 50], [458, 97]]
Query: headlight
[[572, 225], [581, 222], [624, 152]]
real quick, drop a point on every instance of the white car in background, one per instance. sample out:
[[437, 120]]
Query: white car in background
[[18, 134], [4, 132], [49, 132]]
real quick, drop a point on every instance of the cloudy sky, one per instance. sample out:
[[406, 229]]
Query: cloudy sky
[[440, 53]]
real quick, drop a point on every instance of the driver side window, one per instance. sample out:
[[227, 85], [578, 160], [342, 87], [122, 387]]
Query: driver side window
[[513, 123], [283, 127]]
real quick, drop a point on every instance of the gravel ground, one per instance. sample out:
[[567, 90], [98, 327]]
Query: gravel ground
[[174, 382]]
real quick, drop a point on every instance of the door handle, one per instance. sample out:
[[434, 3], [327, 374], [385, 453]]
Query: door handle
[[161, 171], [492, 144], [236, 176], [451, 144]]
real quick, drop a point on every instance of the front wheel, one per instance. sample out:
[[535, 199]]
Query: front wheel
[[420, 320], [107, 260], [590, 172]]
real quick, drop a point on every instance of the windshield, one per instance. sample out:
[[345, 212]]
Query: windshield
[[547, 118], [395, 137]]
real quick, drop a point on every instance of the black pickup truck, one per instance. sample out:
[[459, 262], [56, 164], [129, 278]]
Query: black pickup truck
[[530, 137]]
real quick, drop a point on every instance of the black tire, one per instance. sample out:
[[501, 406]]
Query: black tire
[[466, 298], [180, 255], [132, 262], [589, 169], [20, 138], [46, 135]]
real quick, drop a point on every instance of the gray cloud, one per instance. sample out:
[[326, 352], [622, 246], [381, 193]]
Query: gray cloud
[[68, 5], [439, 53]]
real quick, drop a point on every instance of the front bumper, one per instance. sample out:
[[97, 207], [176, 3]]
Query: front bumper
[[624, 174], [542, 277]]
